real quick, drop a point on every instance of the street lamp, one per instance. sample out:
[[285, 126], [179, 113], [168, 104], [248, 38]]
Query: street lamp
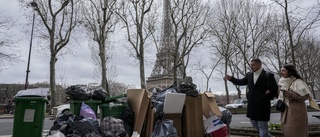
[[34, 5]]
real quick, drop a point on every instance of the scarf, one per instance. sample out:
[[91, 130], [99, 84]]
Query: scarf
[[298, 86]]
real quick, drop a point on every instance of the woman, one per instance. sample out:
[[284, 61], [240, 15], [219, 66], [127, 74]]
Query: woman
[[294, 91]]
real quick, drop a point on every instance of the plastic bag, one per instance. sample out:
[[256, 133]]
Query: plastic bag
[[112, 127], [78, 92], [128, 117], [99, 94], [83, 126], [164, 128], [56, 133], [87, 112], [226, 116], [215, 127], [62, 119], [189, 89]]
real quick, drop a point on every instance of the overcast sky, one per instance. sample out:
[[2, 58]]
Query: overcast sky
[[76, 68]]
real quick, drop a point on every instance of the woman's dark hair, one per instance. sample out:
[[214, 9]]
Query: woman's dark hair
[[292, 71]]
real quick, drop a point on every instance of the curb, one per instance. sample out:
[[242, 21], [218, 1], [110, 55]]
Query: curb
[[9, 116]]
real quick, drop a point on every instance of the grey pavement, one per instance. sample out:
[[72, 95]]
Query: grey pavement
[[7, 116], [3, 116]]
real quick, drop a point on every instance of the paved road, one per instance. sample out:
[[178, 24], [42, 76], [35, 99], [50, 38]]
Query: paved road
[[238, 121], [6, 126]]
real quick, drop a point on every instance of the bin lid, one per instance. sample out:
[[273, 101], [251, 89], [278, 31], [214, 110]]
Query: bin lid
[[86, 101], [110, 99], [35, 92]]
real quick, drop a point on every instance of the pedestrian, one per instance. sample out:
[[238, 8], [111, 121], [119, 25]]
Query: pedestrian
[[294, 91], [262, 87]]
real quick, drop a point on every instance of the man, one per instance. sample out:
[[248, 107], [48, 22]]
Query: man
[[262, 88]]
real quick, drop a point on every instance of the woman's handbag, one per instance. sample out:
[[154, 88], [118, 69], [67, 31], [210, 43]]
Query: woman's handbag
[[281, 106]]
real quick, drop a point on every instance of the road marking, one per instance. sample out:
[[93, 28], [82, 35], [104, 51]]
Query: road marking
[[44, 133], [243, 122]]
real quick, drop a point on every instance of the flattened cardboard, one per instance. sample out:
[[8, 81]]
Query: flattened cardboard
[[139, 101], [209, 105], [149, 121], [173, 103], [192, 117], [176, 121]]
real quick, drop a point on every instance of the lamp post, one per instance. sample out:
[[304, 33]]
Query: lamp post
[[34, 5]]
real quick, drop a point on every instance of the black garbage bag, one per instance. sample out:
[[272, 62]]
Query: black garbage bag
[[93, 134], [226, 116], [60, 124], [78, 92], [189, 89], [83, 126], [127, 118], [164, 128], [62, 119], [74, 135], [99, 94]]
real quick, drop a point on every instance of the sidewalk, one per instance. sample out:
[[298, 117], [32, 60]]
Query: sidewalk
[[4, 116]]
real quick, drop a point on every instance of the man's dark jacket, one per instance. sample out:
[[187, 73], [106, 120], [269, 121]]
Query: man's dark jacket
[[259, 106]]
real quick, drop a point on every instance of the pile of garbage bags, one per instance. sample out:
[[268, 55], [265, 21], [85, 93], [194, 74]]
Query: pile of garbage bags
[[87, 125], [81, 92]]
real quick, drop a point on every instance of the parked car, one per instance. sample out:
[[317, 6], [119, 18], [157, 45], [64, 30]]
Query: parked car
[[274, 102], [308, 104], [238, 103], [64, 108]]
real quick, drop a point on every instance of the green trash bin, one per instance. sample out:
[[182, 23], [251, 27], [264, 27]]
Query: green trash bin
[[29, 116], [114, 98], [112, 109], [75, 106]]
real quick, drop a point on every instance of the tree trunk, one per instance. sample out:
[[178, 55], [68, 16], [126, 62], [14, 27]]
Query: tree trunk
[[225, 82], [53, 81], [142, 73]]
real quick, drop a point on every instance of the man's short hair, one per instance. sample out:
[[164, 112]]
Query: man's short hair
[[257, 61]]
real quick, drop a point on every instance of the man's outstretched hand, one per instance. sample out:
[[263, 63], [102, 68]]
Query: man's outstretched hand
[[227, 77]]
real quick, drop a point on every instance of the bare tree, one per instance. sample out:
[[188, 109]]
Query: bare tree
[[240, 32], [139, 21], [206, 70], [307, 57], [297, 23], [188, 19], [7, 54], [223, 26], [118, 88], [59, 20], [99, 19], [278, 46]]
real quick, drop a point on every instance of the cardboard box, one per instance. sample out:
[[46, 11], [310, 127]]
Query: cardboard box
[[150, 122], [176, 121], [209, 105], [149, 125], [192, 117], [173, 106], [139, 101]]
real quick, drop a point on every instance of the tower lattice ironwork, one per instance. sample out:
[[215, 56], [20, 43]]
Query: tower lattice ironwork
[[162, 73]]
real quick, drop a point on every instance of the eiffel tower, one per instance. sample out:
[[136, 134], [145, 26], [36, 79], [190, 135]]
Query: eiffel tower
[[162, 74]]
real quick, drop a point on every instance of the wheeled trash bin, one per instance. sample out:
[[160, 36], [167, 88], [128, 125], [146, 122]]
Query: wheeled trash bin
[[30, 106]]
